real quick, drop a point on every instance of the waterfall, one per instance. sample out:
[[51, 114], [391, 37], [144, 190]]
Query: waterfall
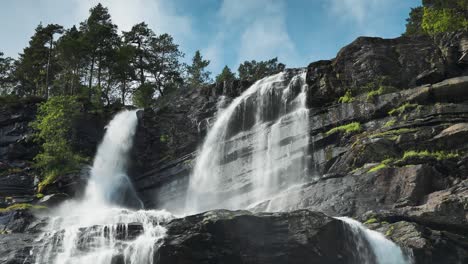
[[256, 147], [109, 182], [95, 229], [383, 250]]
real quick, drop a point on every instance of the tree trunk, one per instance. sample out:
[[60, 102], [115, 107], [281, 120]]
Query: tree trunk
[[123, 90], [90, 85], [142, 73], [48, 67]]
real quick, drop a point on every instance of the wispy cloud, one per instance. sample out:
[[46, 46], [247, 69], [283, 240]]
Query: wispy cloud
[[361, 15], [260, 31]]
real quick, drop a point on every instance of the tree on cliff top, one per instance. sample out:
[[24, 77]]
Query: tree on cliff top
[[437, 16], [197, 73], [226, 75], [253, 71]]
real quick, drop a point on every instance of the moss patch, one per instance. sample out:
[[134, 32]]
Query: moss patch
[[439, 155], [394, 133], [390, 123], [383, 89], [371, 221], [22, 206], [390, 231], [402, 109], [382, 165], [348, 129]]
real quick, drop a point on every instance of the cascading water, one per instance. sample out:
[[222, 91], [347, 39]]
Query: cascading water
[[383, 250], [256, 147], [94, 230]]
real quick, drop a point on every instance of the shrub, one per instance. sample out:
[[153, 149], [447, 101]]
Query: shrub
[[53, 127], [436, 21]]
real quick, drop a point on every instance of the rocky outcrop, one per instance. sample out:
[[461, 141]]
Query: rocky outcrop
[[402, 62], [242, 237]]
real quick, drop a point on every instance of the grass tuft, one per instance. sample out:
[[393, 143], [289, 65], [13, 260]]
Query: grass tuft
[[348, 129]]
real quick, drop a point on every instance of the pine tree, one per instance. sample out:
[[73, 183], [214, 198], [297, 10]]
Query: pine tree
[[197, 74], [226, 75], [35, 67], [100, 38], [6, 74], [164, 63], [140, 36]]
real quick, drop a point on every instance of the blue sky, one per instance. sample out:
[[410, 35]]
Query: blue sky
[[226, 31]]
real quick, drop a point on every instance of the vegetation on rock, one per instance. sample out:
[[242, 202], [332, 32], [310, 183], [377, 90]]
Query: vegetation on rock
[[54, 130]]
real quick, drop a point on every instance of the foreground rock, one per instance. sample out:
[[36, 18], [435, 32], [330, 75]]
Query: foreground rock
[[242, 237]]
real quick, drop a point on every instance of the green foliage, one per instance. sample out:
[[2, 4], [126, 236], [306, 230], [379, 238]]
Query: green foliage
[[348, 129], [436, 16], [197, 73], [54, 129], [436, 21], [22, 206], [402, 109], [226, 75], [253, 70], [143, 96], [346, 98], [39, 196]]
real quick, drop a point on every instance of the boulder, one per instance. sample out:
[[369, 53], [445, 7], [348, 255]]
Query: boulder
[[242, 237]]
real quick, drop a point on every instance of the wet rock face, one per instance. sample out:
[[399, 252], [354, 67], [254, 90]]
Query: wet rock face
[[242, 237]]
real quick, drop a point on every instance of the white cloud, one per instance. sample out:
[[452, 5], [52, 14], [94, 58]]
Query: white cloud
[[160, 15]]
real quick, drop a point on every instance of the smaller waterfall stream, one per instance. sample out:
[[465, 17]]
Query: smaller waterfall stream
[[95, 229], [384, 251]]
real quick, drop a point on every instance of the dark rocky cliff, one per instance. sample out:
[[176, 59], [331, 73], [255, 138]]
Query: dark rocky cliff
[[403, 170]]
